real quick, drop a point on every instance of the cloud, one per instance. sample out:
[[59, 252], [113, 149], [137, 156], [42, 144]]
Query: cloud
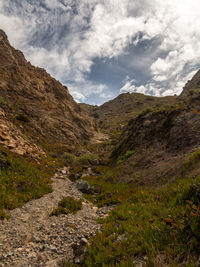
[[66, 37], [101, 91]]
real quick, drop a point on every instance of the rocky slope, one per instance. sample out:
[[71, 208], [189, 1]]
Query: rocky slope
[[194, 83], [37, 103], [160, 140], [113, 115]]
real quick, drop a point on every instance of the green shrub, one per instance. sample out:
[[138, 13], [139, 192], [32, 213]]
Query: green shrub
[[69, 158], [86, 158], [67, 205]]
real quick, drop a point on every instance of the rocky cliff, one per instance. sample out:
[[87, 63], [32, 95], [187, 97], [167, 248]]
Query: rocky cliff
[[39, 105]]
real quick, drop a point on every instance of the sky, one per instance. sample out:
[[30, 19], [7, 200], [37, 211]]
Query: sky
[[99, 49]]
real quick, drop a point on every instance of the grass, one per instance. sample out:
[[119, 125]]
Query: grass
[[124, 157], [22, 179], [67, 205], [152, 222], [86, 158], [71, 159], [191, 161], [2, 100], [68, 158]]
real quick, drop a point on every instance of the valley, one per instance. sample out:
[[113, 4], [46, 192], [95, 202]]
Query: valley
[[133, 165]]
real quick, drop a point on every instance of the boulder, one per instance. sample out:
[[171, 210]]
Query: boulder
[[84, 187]]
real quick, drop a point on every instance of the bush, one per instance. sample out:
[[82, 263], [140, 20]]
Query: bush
[[87, 158], [67, 205], [68, 157]]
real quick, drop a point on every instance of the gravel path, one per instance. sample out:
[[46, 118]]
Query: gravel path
[[32, 238]]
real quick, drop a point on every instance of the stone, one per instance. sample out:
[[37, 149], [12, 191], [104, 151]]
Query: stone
[[84, 187]]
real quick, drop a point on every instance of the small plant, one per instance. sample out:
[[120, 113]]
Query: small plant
[[67, 205]]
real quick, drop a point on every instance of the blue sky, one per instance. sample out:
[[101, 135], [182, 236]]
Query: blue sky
[[100, 49]]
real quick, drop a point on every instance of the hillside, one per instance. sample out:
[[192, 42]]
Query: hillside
[[39, 105], [113, 115]]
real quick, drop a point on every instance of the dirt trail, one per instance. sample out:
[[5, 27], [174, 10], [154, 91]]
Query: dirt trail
[[32, 238]]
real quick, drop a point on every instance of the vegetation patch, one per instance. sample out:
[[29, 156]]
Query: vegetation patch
[[87, 158], [147, 223], [127, 155], [67, 205], [84, 159], [22, 179], [2, 101], [68, 158], [191, 161]]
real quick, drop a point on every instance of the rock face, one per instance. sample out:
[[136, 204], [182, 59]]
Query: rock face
[[194, 83], [39, 101], [12, 137], [176, 130]]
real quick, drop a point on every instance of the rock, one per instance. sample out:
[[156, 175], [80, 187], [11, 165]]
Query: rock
[[80, 250], [52, 263], [84, 187], [147, 123], [84, 240]]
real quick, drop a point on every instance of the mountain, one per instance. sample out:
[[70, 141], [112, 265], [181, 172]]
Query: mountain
[[113, 115], [37, 104]]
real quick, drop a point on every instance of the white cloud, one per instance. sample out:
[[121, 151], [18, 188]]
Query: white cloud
[[66, 41], [131, 88]]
